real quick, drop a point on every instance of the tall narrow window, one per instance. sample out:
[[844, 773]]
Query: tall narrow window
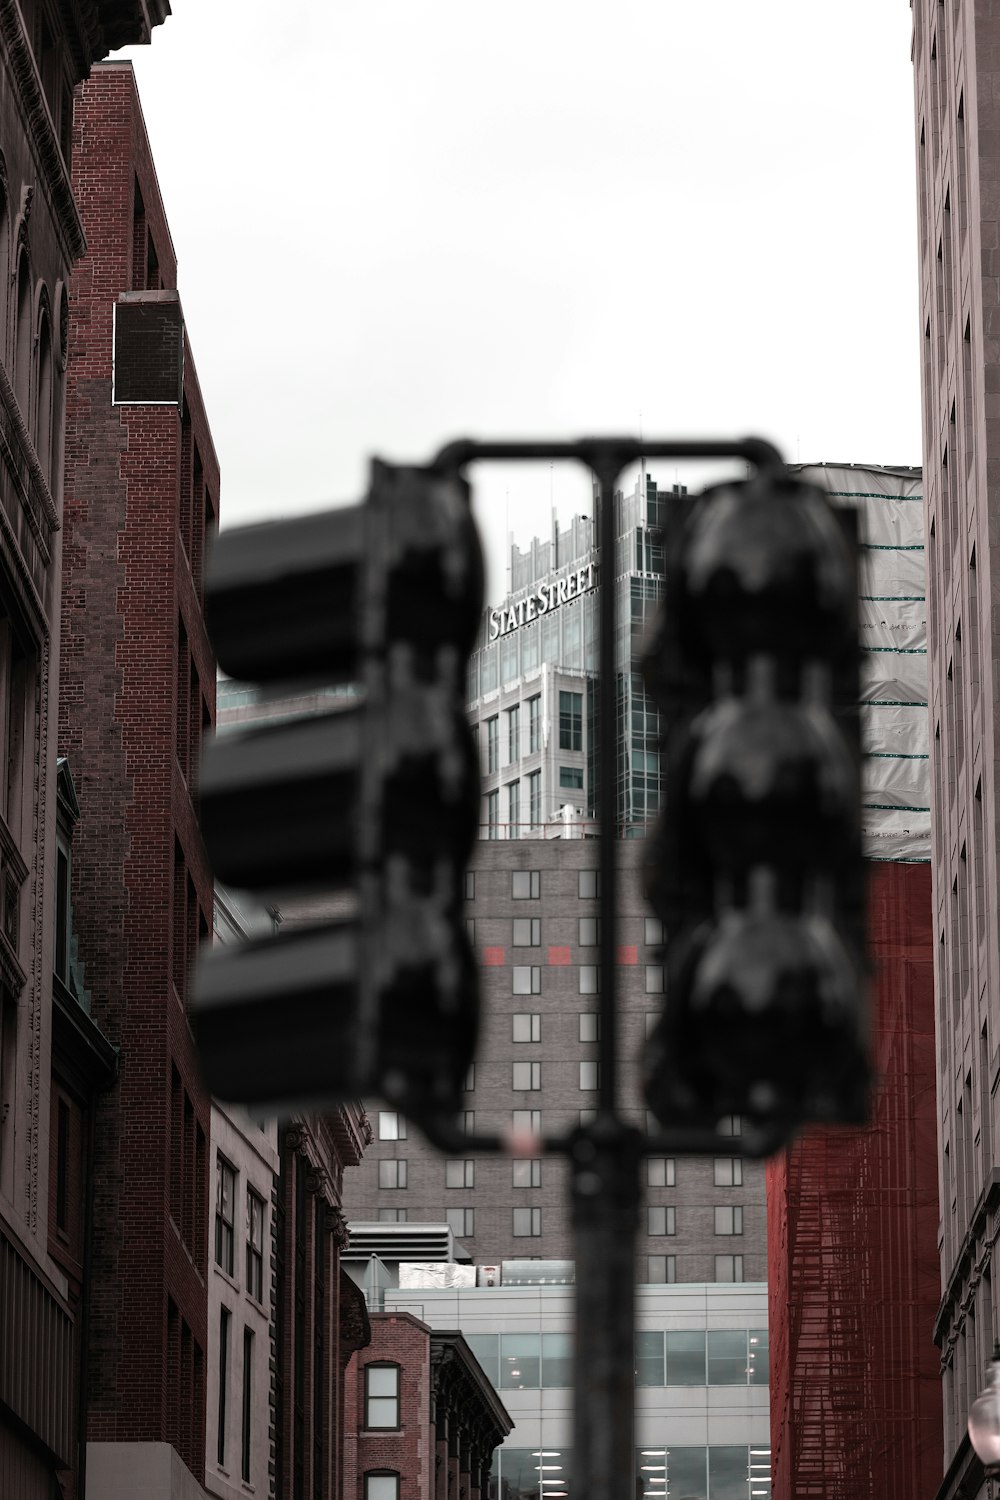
[[247, 1400], [225, 1318], [570, 721], [62, 1162], [534, 723], [225, 1199], [514, 734], [514, 810], [255, 1245], [493, 815], [492, 744], [535, 798]]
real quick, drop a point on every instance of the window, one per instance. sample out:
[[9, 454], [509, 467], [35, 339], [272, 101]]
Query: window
[[470, 930], [514, 733], [526, 1121], [225, 1213], [470, 1078], [661, 1218], [393, 1215], [526, 1174], [381, 1487], [225, 1318], [652, 1018], [247, 1400], [729, 1220], [492, 815], [729, 1171], [685, 1349], [391, 1126], [381, 1395], [727, 1357], [460, 1174], [661, 1171], [470, 885], [526, 1075], [590, 1026], [730, 1125], [469, 1121], [527, 1223], [590, 932], [527, 981], [527, 932], [571, 777], [514, 810], [255, 1245], [661, 1268], [525, 885], [589, 885], [392, 1174], [534, 798], [729, 1268], [654, 979], [653, 932], [527, 1026], [62, 1163], [590, 979], [590, 1074], [492, 745], [461, 1222], [570, 721], [534, 723]]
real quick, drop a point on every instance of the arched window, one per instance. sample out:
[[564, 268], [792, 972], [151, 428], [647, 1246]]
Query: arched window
[[22, 336]]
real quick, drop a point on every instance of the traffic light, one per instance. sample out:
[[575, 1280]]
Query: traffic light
[[363, 813], [755, 867]]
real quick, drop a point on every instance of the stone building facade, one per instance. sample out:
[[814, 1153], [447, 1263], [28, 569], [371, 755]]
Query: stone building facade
[[956, 61]]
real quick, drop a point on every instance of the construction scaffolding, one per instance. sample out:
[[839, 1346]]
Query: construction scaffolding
[[853, 1273]]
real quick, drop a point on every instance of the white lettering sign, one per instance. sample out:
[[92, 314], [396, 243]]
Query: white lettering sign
[[547, 596]]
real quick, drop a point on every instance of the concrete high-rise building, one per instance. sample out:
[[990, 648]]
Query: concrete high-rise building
[[956, 59]]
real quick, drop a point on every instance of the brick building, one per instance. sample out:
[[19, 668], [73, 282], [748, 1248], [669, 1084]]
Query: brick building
[[422, 1417], [137, 688], [46, 48]]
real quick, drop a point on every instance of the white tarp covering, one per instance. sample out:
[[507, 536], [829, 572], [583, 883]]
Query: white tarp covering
[[435, 1273], [893, 626]]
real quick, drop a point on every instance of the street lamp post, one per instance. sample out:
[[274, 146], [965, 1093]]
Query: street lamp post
[[984, 1423]]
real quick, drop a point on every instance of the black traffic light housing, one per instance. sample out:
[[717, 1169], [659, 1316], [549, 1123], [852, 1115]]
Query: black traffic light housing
[[368, 810], [756, 865]]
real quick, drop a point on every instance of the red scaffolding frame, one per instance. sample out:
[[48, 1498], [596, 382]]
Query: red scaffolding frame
[[853, 1273]]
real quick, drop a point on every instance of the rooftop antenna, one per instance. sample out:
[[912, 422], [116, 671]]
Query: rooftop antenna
[[510, 541], [642, 463], [552, 512]]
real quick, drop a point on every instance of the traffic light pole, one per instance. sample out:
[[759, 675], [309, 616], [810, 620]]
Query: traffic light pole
[[605, 1157]]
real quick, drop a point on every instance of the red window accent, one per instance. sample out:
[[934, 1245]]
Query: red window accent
[[492, 958], [628, 953], [559, 956]]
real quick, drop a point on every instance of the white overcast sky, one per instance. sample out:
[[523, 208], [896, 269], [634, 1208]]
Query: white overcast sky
[[402, 221]]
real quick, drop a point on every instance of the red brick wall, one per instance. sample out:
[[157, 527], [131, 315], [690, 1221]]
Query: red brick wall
[[396, 1339], [127, 583]]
